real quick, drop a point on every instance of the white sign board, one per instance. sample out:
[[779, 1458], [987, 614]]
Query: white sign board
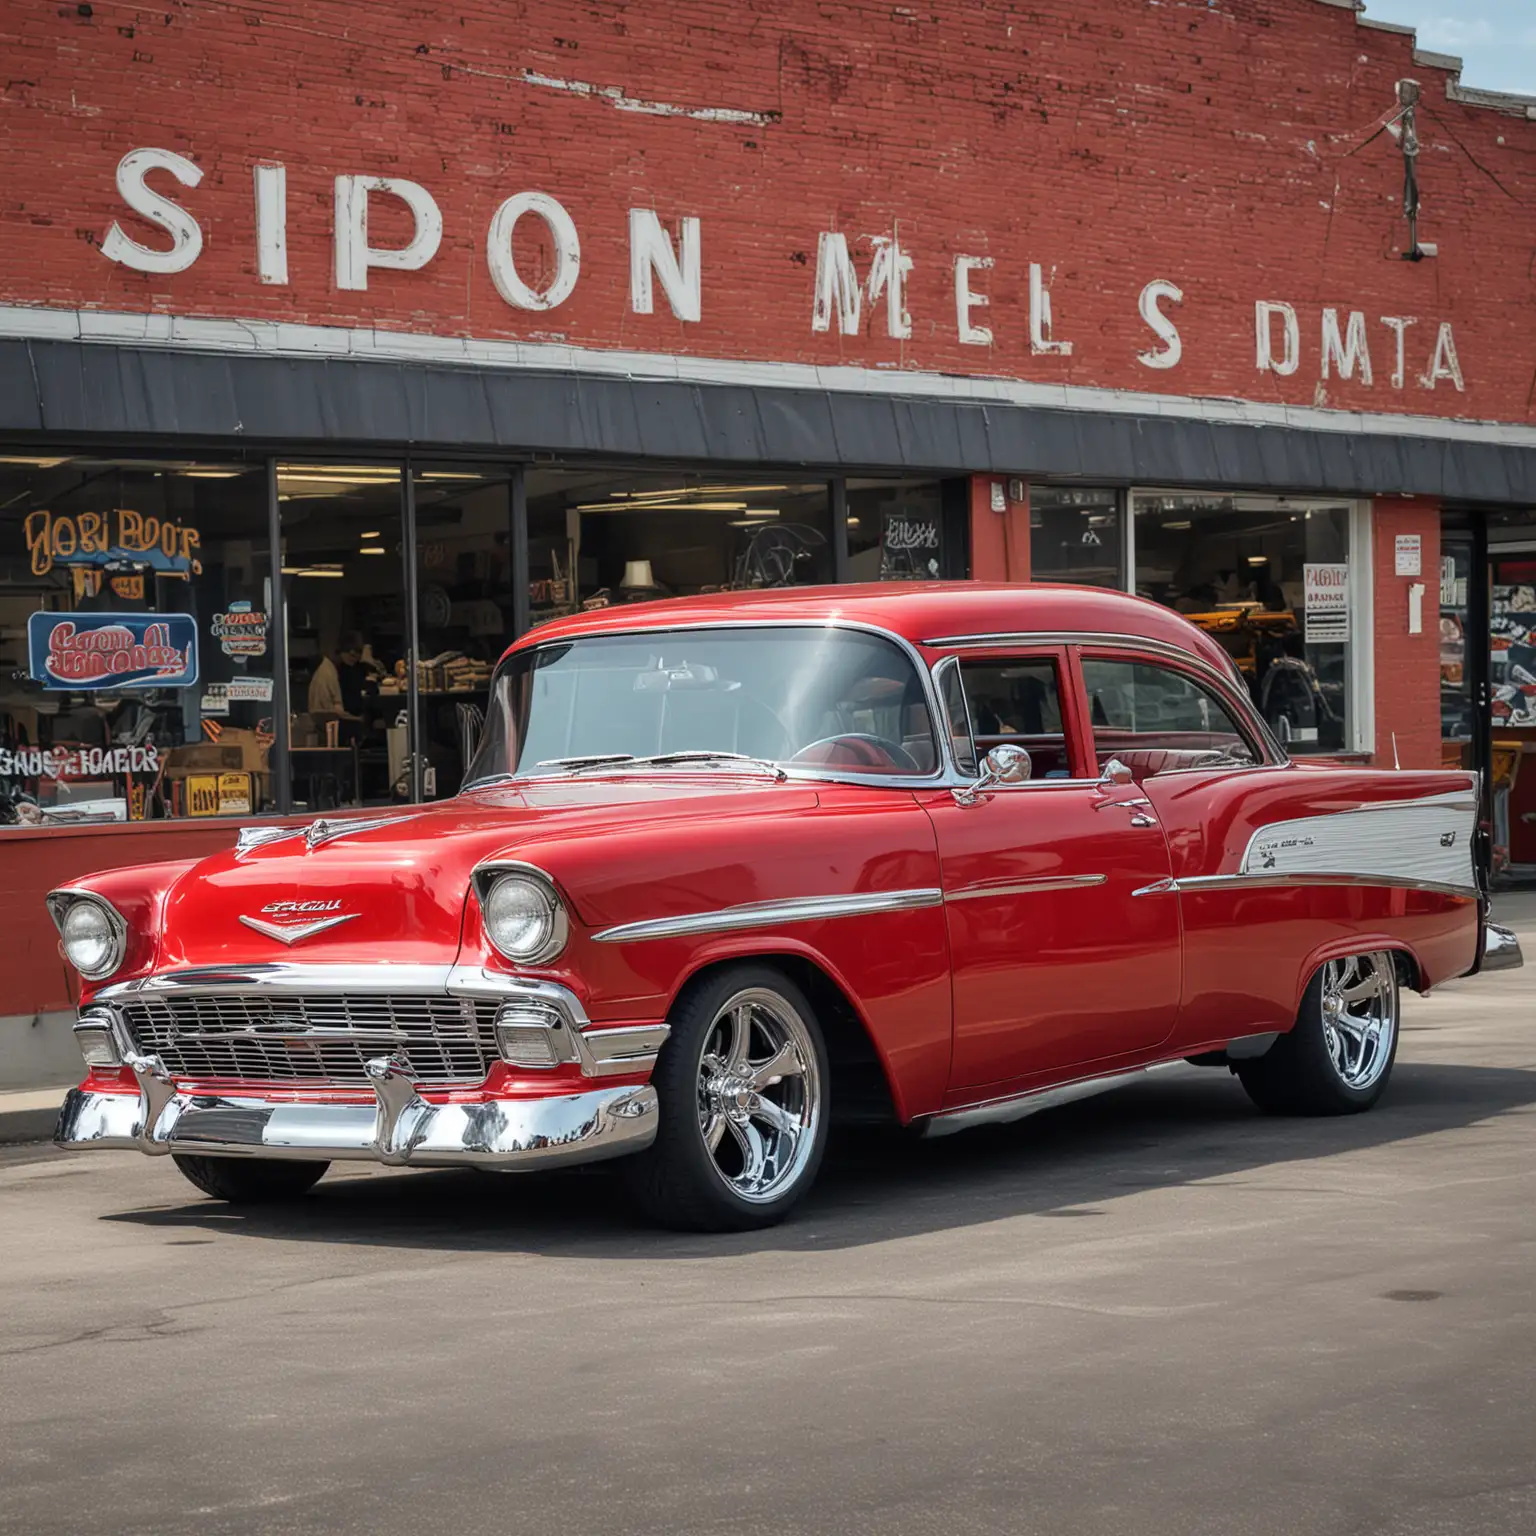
[[1410, 555], [1326, 589]]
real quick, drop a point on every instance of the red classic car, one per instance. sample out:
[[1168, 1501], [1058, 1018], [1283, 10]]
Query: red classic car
[[725, 867]]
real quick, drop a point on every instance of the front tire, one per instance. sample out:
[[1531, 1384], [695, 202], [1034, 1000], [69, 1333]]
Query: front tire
[[742, 1083], [1338, 1058], [249, 1181]]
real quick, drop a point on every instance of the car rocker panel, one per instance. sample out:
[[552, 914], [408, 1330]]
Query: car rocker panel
[[689, 958]]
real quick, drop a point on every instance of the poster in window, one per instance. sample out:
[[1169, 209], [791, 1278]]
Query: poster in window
[[1325, 589], [83, 652], [909, 547]]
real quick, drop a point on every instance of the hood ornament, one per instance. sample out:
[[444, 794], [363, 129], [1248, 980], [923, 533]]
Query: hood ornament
[[317, 832], [295, 921]]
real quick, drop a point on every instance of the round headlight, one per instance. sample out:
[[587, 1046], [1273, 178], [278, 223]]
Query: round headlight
[[524, 919], [93, 941]]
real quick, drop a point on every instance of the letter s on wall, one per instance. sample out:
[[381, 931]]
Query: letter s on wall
[[186, 233]]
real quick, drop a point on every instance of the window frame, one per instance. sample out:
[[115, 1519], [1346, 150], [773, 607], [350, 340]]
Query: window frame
[[1267, 753], [1069, 695]]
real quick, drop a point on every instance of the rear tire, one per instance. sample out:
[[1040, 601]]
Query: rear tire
[[250, 1181], [742, 1083], [1339, 1056]]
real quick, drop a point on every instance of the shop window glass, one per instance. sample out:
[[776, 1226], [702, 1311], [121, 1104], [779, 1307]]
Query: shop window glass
[[599, 536], [135, 646], [343, 570], [1075, 535], [896, 530], [1155, 719], [1269, 580], [1455, 676], [465, 610]]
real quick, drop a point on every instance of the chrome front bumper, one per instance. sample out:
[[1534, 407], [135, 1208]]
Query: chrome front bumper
[[400, 1128]]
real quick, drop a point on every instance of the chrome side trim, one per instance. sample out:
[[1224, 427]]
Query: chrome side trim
[[1501, 950], [1259, 880], [399, 1128], [1018, 1106], [1024, 887], [765, 914], [623, 1048]]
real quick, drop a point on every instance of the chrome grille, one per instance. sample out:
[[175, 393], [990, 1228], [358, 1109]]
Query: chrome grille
[[313, 1037]]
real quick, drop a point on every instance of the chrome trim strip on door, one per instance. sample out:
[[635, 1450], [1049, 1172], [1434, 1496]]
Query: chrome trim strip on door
[[1259, 880], [1017, 1106], [1024, 887], [764, 914]]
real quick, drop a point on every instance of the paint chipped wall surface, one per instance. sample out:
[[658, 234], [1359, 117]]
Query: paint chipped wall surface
[[1197, 200]]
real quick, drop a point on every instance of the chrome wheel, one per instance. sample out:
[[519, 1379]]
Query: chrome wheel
[[1359, 1003], [759, 1094]]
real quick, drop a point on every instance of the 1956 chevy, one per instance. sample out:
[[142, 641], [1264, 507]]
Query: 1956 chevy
[[726, 867]]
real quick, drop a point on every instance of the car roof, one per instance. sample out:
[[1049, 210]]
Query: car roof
[[920, 612]]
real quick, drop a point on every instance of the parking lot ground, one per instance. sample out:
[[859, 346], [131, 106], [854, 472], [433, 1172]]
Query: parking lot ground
[[1156, 1312]]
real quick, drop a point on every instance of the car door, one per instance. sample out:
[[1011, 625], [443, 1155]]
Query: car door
[[1055, 964]]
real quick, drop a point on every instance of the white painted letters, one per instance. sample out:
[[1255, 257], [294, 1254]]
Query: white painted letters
[[1173, 348], [1040, 316], [354, 256], [272, 223], [1348, 351], [185, 232], [971, 334], [500, 256], [1264, 312], [650, 250], [838, 290], [1398, 324], [1444, 364]]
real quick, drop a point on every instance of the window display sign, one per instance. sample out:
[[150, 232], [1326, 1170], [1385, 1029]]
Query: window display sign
[[1326, 592], [118, 538], [77, 762], [910, 546], [241, 631], [79, 652]]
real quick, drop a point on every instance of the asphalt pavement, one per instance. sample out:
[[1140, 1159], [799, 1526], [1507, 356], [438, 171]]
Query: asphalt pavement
[[1157, 1312]]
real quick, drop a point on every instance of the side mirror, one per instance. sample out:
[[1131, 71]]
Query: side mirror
[[1116, 772], [1002, 765]]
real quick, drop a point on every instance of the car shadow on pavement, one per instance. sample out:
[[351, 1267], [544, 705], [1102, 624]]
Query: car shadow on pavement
[[1172, 1129]]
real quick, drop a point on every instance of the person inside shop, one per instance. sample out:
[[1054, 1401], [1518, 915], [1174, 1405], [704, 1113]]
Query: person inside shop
[[326, 694]]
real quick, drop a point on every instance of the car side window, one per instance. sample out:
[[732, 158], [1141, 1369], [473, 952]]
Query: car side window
[[1019, 701], [1158, 720]]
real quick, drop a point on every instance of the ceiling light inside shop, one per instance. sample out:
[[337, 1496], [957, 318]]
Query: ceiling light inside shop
[[1258, 559], [443, 474], [698, 490], [373, 549], [32, 463], [373, 533], [1184, 524], [333, 572], [211, 474], [663, 506]]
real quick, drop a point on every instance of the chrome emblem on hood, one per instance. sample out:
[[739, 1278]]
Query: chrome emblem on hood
[[315, 834], [297, 920]]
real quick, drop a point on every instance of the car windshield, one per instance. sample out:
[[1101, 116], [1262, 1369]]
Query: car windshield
[[824, 698]]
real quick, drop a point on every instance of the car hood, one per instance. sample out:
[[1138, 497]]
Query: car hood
[[392, 887]]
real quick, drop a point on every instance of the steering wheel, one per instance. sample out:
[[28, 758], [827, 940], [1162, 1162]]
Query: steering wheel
[[865, 750]]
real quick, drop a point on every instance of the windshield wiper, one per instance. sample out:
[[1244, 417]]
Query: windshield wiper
[[591, 760], [673, 759]]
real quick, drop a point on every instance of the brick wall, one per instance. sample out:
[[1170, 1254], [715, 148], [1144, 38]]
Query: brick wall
[[1219, 147], [1407, 667]]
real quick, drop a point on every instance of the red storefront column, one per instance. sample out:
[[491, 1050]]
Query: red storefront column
[[1407, 666], [999, 540]]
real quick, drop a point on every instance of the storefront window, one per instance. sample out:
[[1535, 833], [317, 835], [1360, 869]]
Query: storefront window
[[464, 577], [1455, 675], [896, 530], [343, 571], [598, 536], [135, 662], [1269, 579], [1075, 535]]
